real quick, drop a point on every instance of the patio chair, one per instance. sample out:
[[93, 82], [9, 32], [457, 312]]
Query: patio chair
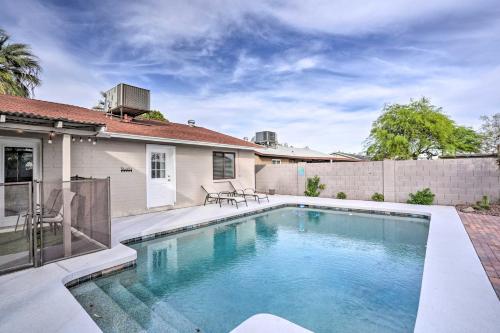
[[215, 196], [55, 216], [49, 207], [250, 192], [24, 215]]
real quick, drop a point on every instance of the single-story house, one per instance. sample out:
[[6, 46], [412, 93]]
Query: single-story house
[[284, 154], [350, 157], [153, 165]]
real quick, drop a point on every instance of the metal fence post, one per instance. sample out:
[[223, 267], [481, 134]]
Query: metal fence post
[[108, 179], [42, 209], [91, 207], [29, 221], [34, 221]]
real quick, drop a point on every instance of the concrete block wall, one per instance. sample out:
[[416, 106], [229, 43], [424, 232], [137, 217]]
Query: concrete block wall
[[357, 180], [453, 181], [283, 178]]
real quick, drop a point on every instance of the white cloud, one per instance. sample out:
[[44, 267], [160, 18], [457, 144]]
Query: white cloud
[[246, 65], [65, 77], [313, 91], [169, 22], [156, 21], [349, 17], [320, 113], [297, 65]]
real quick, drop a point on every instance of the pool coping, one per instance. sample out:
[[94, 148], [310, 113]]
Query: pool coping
[[456, 295]]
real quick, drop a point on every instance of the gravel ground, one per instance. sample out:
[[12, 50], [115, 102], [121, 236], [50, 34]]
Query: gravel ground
[[494, 210]]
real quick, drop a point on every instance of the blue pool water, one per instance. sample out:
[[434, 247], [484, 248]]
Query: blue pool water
[[324, 270]]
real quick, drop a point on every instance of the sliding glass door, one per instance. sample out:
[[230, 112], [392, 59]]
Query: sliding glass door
[[19, 166]]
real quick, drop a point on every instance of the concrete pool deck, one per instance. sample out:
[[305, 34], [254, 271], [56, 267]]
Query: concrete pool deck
[[456, 295]]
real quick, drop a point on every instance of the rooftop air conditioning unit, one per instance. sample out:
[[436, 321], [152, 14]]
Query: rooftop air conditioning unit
[[266, 138], [126, 99]]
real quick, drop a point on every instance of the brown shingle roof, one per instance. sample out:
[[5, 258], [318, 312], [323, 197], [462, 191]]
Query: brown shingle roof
[[300, 153], [48, 110]]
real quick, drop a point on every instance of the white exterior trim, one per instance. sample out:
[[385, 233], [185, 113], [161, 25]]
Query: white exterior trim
[[45, 129], [36, 144], [167, 140], [6, 141]]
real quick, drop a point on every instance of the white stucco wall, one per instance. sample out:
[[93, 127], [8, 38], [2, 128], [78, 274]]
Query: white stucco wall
[[52, 159], [194, 167], [105, 159], [128, 189]]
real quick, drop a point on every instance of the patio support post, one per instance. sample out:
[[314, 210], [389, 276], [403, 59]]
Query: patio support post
[[66, 190]]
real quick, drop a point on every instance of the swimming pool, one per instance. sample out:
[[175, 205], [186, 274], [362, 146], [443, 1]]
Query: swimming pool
[[321, 269]]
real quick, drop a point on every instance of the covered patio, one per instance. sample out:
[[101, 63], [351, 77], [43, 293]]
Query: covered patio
[[46, 213]]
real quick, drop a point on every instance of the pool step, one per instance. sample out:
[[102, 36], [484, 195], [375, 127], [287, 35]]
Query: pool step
[[108, 315], [136, 309], [162, 308]]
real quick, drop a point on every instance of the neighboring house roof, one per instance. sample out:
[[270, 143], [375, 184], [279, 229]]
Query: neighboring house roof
[[294, 152], [141, 129], [356, 157]]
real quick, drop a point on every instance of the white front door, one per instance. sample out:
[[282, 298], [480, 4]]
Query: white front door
[[160, 169]]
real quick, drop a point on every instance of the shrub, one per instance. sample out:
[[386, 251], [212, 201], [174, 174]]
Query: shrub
[[377, 196], [423, 197], [314, 187], [484, 204], [341, 195]]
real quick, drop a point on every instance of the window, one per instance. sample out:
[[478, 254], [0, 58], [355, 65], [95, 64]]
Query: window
[[276, 161], [158, 165], [223, 165], [18, 165]]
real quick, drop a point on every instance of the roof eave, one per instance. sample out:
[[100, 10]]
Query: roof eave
[[36, 116], [127, 136], [297, 156]]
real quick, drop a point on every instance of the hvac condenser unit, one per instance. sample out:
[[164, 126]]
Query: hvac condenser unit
[[266, 138], [127, 99]]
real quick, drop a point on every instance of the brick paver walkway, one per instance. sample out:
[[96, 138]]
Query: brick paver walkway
[[484, 231]]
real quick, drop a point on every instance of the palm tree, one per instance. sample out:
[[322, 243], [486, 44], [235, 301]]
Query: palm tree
[[19, 68]]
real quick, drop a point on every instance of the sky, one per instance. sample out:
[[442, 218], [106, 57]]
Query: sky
[[316, 72]]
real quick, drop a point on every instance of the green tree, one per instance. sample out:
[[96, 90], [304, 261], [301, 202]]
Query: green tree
[[152, 115], [19, 68], [314, 187], [101, 102], [490, 130], [407, 131], [465, 139]]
